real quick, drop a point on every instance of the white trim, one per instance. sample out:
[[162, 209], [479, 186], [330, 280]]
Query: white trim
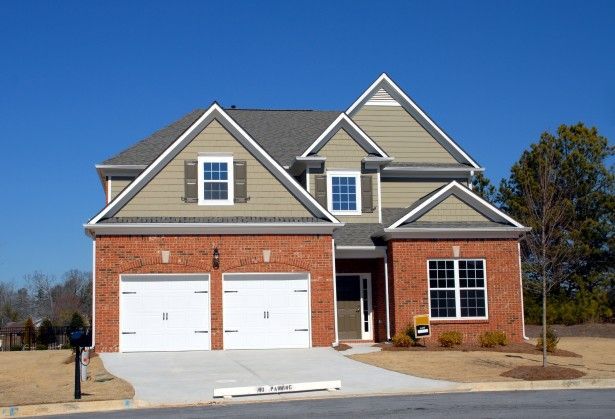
[[294, 275], [379, 197], [386, 293], [466, 192], [121, 166], [93, 292], [360, 252], [230, 181], [458, 290], [213, 111], [343, 121], [454, 233], [206, 228], [407, 102], [369, 335], [344, 173], [521, 292], [109, 189], [307, 179], [205, 274], [333, 255]]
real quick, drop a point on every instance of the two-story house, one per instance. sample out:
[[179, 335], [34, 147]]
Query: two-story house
[[249, 228]]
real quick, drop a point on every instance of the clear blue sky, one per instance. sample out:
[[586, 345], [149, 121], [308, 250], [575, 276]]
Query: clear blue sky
[[80, 81]]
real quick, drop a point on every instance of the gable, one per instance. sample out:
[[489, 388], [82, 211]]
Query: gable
[[162, 195], [342, 152], [400, 135], [452, 209]]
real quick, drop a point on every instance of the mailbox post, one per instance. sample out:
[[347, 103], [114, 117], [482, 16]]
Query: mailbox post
[[79, 339]]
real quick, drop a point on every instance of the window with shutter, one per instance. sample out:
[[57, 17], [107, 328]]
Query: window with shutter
[[241, 181], [190, 181], [320, 189], [215, 180], [367, 200], [344, 192]]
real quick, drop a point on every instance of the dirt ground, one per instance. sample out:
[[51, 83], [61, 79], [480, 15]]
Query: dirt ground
[[32, 377], [601, 330], [597, 361]]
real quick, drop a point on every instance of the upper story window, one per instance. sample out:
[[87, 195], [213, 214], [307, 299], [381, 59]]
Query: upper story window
[[215, 180], [457, 289], [344, 192]]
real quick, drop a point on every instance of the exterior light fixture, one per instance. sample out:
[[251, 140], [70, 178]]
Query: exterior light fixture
[[216, 258]]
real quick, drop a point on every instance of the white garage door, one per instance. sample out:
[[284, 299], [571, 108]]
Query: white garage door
[[164, 313], [266, 311]]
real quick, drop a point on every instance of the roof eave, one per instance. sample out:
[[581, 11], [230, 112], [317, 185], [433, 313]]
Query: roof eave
[[455, 233]]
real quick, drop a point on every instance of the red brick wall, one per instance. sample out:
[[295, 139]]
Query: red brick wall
[[408, 279], [375, 267], [117, 255]]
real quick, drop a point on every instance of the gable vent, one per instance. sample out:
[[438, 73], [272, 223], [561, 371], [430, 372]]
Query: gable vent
[[382, 98]]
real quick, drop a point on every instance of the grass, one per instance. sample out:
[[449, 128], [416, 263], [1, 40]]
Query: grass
[[597, 361], [33, 377]]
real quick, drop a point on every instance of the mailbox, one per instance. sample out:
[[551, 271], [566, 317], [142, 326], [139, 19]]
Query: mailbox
[[81, 338]]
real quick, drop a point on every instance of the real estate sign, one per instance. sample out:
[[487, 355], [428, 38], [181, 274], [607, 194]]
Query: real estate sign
[[421, 326]]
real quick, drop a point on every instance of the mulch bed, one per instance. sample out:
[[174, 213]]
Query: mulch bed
[[342, 347], [538, 373], [516, 348], [598, 330]]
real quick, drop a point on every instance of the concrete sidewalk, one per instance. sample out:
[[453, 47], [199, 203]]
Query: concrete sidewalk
[[190, 377]]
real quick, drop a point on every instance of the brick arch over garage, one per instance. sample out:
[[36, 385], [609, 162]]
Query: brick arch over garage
[[155, 265], [273, 265]]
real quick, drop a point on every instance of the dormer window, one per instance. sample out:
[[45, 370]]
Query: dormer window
[[215, 174], [344, 192]]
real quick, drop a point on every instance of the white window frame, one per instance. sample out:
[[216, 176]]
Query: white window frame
[[457, 290], [343, 173], [201, 180]]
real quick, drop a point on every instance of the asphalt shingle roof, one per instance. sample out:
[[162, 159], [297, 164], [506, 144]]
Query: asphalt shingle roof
[[210, 220], [284, 134], [359, 234]]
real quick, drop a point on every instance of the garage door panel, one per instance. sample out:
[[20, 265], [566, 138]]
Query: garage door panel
[[164, 313], [266, 311]]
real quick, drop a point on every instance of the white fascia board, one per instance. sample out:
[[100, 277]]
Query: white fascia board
[[343, 121], [423, 169], [121, 166], [359, 252], [468, 193], [310, 162], [455, 233], [211, 113], [209, 228], [406, 103]]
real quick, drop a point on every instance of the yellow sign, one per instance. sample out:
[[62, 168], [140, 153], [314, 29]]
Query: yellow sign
[[421, 326]]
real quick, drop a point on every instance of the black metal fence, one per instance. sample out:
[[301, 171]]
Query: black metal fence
[[21, 339]]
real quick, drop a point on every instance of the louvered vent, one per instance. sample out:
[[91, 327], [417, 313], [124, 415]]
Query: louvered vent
[[382, 98]]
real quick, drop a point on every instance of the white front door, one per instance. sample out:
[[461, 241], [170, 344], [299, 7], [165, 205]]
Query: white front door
[[266, 311], [160, 312]]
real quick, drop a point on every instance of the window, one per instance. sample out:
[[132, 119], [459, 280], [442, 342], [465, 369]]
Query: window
[[457, 288], [215, 180], [344, 192]]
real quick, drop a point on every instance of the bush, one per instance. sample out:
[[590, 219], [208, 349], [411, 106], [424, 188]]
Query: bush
[[29, 333], [402, 340], [66, 346], [16, 348], [46, 334], [552, 340], [450, 339], [76, 322], [491, 339], [41, 347]]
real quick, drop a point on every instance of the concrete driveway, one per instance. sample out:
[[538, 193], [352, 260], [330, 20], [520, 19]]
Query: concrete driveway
[[190, 377]]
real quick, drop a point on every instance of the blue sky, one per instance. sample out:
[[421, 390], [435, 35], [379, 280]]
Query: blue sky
[[80, 81]]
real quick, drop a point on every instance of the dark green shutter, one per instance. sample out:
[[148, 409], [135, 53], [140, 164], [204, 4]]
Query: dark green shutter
[[191, 190], [240, 182], [367, 198], [320, 189]]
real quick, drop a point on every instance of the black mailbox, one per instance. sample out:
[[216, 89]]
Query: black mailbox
[[81, 338]]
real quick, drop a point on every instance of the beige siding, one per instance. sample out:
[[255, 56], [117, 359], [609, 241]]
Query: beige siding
[[453, 209], [162, 195], [343, 153], [400, 135], [118, 185], [401, 193]]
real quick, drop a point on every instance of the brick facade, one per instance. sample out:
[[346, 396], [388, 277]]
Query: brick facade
[[409, 285], [117, 255]]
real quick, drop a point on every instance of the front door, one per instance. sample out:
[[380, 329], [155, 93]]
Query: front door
[[349, 307]]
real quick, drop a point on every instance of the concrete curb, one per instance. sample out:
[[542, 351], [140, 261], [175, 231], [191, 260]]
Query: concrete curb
[[110, 405]]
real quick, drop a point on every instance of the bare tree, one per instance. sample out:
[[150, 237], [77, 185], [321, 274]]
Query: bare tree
[[39, 286], [548, 213]]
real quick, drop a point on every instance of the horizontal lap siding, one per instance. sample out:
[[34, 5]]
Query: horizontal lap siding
[[403, 193], [162, 196], [453, 209], [343, 153], [400, 135], [118, 185]]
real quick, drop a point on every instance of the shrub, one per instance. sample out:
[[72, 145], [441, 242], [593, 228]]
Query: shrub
[[29, 333], [41, 347], [552, 340], [491, 339], [16, 348], [402, 340], [76, 322], [451, 338], [66, 346], [46, 334]]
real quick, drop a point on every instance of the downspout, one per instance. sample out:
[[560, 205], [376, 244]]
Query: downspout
[[334, 292], [386, 292], [93, 291], [521, 289]]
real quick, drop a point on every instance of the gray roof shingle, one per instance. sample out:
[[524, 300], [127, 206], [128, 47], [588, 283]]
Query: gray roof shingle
[[284, 134], [359, 234], [210, 220]]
